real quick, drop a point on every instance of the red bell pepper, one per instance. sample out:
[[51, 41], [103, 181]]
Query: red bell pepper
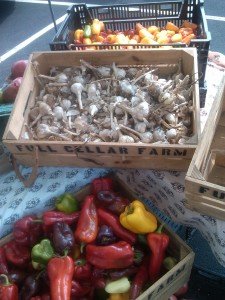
[[107, 218], [26, 232], [3, 262], [16, 254], [8, 291], [98, 279], [80, 289], [50, 217], [140, 279], [82, 269], [87, 226], [41, 297], [60, 272], [115, 256], [112, 202], [101, 184], [158, 243]]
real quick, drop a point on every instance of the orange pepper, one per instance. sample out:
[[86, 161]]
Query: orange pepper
[[187, 39], [139, 26], [137, 38], [111, 38], [171, 26], [78, 34], [188, 24], [87, 41]]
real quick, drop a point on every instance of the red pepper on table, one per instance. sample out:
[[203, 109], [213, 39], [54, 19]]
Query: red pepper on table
[[158, 243], [80, 289], [87, 226], [3, 262], [8, 291], [140, 279], [82, 269], [101, 184], [107, 218], [60, 272], [115, 256], [26, 232], [16, 254]]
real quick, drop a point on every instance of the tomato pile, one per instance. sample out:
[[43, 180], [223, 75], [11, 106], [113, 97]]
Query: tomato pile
[[104, 247]]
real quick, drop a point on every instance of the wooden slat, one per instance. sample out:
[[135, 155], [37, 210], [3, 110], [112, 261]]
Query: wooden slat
[[177, 157], [143, 162], [173, 279], [205, 179], [99, 149]]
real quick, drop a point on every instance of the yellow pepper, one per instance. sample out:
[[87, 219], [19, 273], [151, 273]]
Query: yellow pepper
[[122, 296], [137, 219]]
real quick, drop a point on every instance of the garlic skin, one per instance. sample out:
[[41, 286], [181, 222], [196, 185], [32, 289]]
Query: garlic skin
[[171, 134], [127, 88], [58, 113], [118, 72], [113, 103], [92, 91], [77, 89], [170, 118], [66, 104], [158, 135], [140, 127], [93, 109], [147, 137]]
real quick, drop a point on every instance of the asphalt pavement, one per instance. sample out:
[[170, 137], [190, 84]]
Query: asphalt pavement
[[24, 27]]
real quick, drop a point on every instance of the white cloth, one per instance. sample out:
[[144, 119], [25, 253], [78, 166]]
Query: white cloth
[[164, 190]]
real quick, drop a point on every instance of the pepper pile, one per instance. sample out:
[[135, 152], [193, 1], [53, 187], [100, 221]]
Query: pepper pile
[[103, 248], [96, 34]]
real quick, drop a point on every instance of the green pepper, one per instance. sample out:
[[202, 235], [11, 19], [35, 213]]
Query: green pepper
[[87, 31], [169, 262], [42, 252], [37, 266], [67, 203], [121, 285]]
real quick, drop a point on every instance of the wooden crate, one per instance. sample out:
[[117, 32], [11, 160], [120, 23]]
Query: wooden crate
[[57, 153], [205, 179], [171, 281]]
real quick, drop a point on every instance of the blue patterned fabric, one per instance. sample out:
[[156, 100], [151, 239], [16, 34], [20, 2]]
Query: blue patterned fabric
[[17, 201]]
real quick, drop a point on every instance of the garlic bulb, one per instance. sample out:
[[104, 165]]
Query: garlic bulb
[[158, 134], [77, 89], [66, 104], [58, 113]]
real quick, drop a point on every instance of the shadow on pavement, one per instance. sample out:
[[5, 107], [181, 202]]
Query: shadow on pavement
[[6, 8]]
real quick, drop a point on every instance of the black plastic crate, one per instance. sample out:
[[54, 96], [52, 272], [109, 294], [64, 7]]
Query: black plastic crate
[[124, 17]]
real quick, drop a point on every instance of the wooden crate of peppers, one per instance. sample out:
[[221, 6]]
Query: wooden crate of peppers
[[103, 247]]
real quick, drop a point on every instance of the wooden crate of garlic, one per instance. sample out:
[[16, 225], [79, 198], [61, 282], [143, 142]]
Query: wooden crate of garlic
[[107, 108]]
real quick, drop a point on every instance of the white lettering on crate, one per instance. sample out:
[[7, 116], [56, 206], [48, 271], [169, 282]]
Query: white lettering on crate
[[105, 150]]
